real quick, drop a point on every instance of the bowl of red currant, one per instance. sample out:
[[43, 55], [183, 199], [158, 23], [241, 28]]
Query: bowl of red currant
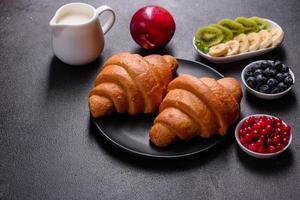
[[263, 136]]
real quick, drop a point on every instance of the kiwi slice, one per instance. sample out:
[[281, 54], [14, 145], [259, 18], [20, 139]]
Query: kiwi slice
[[201, 47], [248, 24], [233, 26], [262, 24], [228, 35], [209, 36]]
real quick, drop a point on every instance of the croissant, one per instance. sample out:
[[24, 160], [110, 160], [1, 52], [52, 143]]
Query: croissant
[[130, 83], [196, 107]]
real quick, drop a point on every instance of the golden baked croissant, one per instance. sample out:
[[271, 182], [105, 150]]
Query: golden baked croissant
[[130, 83], [196, 107]]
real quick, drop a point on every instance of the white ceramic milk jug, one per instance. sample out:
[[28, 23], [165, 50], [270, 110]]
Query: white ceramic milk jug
[[77, 36]]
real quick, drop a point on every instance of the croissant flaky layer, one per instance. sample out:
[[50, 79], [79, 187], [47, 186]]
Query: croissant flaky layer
[[196, 107], [130, 83]]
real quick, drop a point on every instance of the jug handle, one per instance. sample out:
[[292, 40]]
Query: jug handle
[[111, 19]]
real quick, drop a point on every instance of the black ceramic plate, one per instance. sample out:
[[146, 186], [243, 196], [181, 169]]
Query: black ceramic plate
[[130, 133]]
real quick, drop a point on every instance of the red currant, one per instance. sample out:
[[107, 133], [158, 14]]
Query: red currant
[[269, 121], [279, 137], [243, 142], [252, 147], [269, 141], [262, 150], [248, 138], [263, 138], [251, 120], [285, 141], [278, 124], [288, 128], [259, 143], [285, 135], [241, 133], [255, 134], [271, 149], [260, 125], [269, 128], [279, 147], [263, 124], [276, 140], [277, 120], [255, 127], [264, 132]]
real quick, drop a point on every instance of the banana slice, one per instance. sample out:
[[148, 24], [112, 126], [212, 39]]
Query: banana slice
[[233, 47], [243, 42], [218, 50], [254, 41], [266, 39], [277, 36]]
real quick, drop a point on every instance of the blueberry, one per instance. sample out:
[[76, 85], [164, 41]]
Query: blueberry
[[281, 86], [288, 81], [275, 90], [258, 71], [273, 72], [264, 64], [279, 77], [255, 67], [260, 79], [271, 65], [268, 72], [248, 74], [287, 74], [278, 65], [264, 88], [272, 83], [284, 69], [251, 82]]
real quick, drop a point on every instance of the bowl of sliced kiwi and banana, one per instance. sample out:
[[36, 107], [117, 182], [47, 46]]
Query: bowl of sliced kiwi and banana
[[232, 40]]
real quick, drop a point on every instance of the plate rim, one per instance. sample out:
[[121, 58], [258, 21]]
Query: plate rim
[[138, 153]]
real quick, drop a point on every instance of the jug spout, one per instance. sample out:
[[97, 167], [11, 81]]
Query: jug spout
[[53, 21]]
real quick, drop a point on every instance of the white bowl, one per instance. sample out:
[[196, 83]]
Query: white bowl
[[240, 56], [260, 94], [252, 153]]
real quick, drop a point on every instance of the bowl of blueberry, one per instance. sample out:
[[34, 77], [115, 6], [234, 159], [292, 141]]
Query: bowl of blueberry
[[263, 136], [268, 79]]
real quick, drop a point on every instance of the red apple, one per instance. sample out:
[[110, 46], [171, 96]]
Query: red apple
[[152, 27]]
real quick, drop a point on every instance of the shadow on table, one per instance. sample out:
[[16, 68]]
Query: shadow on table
[[63, 76], [158, 164], [266, 166], [285, 104], [168, 50]]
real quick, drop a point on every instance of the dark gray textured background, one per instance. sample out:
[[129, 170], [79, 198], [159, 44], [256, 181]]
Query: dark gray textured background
[[49, 149]]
